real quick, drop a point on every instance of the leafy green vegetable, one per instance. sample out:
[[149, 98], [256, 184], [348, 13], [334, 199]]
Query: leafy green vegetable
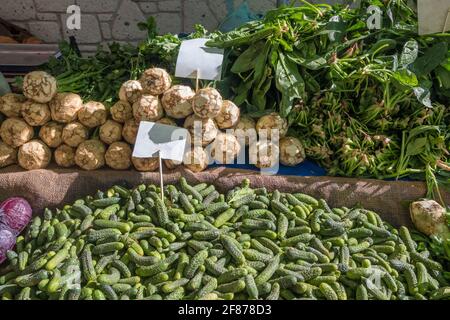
[[99, 77], [366, 103], [289, 82], [431, 59]]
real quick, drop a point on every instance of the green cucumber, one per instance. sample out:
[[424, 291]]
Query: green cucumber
[[32, 279], [255, 255], [232, 275], [178, 294], [172, 286], [268, 272], [232, 287], [197, 260], [108, 224], [208, 288], [250, 286], [216, 208], [106, 248], [274, 293], [224, 217], [95, 235], [433, 265], [328, 291], [110, 279], [57, 259], [233, 248]]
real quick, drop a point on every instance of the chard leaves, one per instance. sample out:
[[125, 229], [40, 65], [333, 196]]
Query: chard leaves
[[406, 78], [247, 60], [431, 59], [289, 82]]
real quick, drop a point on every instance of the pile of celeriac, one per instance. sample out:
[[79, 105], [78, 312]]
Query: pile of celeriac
[[44, 124]]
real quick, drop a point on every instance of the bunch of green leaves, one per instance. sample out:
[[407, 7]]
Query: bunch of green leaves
[[99, 77], [264, 59], [294, 51], [366, 103]]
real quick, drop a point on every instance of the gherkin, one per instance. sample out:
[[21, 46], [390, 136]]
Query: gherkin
[[179, 250]]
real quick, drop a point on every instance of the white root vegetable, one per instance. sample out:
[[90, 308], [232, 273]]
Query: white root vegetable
[[207, 103], [121, 111], [430, 218], [264, 154], [90, 155], [292, 151], [8, 155], [118, 156], [93, 114], [74, 134], [196, 159], [130, 131], [145, 164], [65, 106], [172, 164], [65, 156], [167, 121], [111, 132], [202, 131], [39, 86], [225, 148], [148, 108], [177, 101], [130, 91], [267, 124], [34, 155], [16, 132], [155, 81], [51, 134], [228, 116], [245, 130], [36, 114], [11, 105]]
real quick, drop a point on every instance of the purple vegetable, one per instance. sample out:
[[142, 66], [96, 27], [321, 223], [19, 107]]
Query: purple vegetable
[[15, 213], [7, 242]]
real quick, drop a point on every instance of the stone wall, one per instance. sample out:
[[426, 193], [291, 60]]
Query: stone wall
[[116, 20]]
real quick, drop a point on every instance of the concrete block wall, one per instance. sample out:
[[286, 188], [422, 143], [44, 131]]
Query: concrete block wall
[[116, 20]]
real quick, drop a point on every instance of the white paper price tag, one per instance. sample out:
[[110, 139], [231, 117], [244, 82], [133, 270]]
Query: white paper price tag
[[195, 57], [434, 16], [153, 138]]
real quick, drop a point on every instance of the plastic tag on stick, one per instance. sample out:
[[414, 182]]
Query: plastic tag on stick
[[196, 60], [153, 138], [162, 141]]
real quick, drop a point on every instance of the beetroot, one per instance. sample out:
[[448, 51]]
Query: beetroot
[[15, 213], [7, 242]]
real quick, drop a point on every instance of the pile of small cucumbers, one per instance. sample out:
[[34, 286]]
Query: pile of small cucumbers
[[197, 243]]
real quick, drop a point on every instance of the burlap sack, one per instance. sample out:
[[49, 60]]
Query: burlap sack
[[55, 187]]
